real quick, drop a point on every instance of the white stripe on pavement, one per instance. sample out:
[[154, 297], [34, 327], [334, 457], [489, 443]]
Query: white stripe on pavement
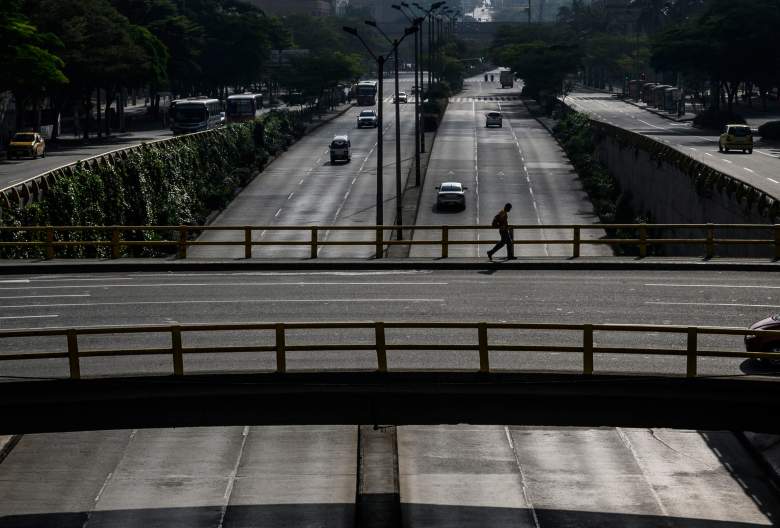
[[242, 284], [737, 305], [748, 286], [228, 301], [29, 316]]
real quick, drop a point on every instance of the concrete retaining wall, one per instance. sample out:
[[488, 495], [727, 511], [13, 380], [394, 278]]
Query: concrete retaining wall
[[667, 188]]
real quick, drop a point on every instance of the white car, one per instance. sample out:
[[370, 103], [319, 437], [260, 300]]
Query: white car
[[451, 194], [367, 118], [402, 97], [493, 119]]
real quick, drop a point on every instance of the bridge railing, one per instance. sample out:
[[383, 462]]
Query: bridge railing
[[180, 238], [381, 343]]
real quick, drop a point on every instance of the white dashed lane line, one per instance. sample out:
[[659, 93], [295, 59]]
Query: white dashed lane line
[[773, 181], [749, 170], [727, 161]]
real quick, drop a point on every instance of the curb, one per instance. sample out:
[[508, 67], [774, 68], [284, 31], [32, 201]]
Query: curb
[[474, 264], [7, 443], [765, 451]]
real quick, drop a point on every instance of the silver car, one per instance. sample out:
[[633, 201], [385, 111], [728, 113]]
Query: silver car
[[451, 194], [367, 118], [493, 119]]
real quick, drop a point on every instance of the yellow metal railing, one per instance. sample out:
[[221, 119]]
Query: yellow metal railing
[[381, 344], [50, 238]]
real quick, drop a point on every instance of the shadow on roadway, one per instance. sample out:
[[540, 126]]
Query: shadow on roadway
[[760, 368], [341, 514]]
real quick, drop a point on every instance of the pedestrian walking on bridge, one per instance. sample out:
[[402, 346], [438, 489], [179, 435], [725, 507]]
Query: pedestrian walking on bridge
[[501, 221]]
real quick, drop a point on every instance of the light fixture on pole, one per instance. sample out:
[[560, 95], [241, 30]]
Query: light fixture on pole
[[380, 66], [419, 141]]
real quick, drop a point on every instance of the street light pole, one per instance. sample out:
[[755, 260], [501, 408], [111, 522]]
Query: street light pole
[[398, 205], [419, 145], [380, 66]]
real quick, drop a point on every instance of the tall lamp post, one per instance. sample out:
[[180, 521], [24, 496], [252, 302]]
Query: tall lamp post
[[380, 66], [418, 146], [398, 205]]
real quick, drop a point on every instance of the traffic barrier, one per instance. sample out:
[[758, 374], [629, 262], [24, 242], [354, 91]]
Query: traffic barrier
[[51, 238], [383, 342]]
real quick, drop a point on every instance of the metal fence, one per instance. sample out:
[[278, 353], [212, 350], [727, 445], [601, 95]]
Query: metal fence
[[179, 239], [381, 345]]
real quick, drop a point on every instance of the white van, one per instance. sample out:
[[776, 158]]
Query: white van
[[340, 149]]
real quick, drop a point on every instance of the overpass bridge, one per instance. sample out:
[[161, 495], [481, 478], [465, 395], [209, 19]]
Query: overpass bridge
[[198, 391]]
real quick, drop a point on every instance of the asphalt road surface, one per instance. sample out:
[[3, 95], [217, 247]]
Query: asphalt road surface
[[302, 187], [760, 169], [16, 171], [519, 163], [449, 475]]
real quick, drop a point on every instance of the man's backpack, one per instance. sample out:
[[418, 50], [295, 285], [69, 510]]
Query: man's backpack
[[496, 221]]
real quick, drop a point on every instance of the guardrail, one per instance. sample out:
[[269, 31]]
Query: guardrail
[[50, 238], [382, 345]]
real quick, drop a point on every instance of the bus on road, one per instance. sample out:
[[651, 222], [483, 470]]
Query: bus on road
[[243, 107], [195, 115], [366, 93]]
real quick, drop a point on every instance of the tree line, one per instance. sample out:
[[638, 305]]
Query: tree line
[[711, 47], [70, 52]]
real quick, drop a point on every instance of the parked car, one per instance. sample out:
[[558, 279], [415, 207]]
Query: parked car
[[764, 343], [402, 97], [340, 149], [738, 137], [451, 194], [493, 119], [27, 144], [367, 118]]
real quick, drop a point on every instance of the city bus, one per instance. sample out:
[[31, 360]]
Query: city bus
[[366, 93], [195, 115], [243, 107]]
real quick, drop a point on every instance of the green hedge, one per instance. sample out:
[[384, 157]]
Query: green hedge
[[173, 182], [576, 134]]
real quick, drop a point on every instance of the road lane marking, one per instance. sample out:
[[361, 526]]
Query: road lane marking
[[766, 154], [278, 212], [29, 316], [288, 273], [746, 286], [749, 170], [523, 481], [44, 296], [289, 196], [773, 181], [727, 161], [737, 305], [637, 459], [242, 284], [650, 124], [15, 281], [709, 154], [227, 301]]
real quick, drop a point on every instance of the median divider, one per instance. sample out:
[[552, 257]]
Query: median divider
[[380, 339]]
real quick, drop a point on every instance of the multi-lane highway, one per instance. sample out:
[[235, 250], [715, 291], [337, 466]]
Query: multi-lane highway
[[448, 475], [519, 163], [760, 169], [302, 187]]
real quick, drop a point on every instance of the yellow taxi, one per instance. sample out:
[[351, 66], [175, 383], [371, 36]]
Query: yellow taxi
[[736, 137], [27, 144]]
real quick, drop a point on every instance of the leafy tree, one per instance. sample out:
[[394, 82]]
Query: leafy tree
[[542, 66], [29, 66]]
